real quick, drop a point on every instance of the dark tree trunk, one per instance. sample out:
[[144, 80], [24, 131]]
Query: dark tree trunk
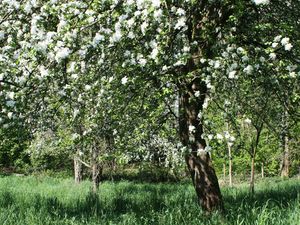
[[205, 181], [197, 158], [77, 169]]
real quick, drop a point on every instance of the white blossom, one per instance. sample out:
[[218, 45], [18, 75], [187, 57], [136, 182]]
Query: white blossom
[[10, 95], [180, 12], [240, 50], [131, 35], [210, 136], [217, 64], [248, 69], [277, 38], [43, 71], [124, 80], [247, 121], [158, 14], [116, 36], [285, 41], [219, 136], [144, 27], [98, 37], [292, 74], [110, 79], [10, 103], [205, 104], [154, 53], [225, 55], [231, 138], [288, 47], [180, 23], [87, 87], [226, 134], [227, 102], [245, 58], [74, 76], [62, 53], [9, 115], [261, 2], [192, 128], [272, 56], [156, 3], [142, 61], [75, 113], [131, 22], [232, 74], [262, 59]]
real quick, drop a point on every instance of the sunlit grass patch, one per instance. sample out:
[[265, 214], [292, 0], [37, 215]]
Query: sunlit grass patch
[[44, 200]]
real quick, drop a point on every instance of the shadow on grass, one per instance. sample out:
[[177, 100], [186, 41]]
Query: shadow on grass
[[277, 196], [142, 200]]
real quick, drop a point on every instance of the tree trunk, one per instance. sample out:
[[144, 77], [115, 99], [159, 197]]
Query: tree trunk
[[224, 172], [205, 181], [285, 163], [77, 169], [254, 148], [96, 169], [197, 158], [252, 174], [262, 171], [285, 159], [229, 157], [230, 165]]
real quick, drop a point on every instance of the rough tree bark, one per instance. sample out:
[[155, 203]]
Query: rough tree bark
[[190, 81], [197, 159]]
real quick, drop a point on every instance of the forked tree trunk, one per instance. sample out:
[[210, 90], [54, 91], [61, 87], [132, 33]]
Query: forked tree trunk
[[254, 148], [198, 159], [77, 169]]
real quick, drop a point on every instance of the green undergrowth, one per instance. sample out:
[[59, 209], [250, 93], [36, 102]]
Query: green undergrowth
[[45, 200]]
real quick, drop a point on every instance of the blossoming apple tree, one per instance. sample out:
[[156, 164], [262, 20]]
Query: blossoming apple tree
[[108, 64]]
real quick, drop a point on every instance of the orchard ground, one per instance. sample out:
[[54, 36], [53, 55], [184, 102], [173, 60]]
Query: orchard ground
[[46, 200]]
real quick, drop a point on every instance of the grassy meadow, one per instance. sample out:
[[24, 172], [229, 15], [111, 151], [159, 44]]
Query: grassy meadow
[[45, 200]]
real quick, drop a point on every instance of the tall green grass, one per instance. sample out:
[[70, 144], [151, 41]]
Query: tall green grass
[[44, 200]]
